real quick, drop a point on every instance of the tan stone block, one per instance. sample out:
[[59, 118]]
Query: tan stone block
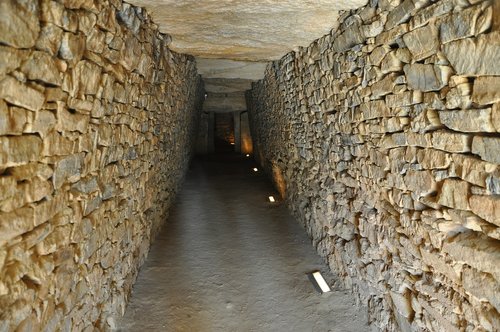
[[12, 119], [406, 98], [454, 193], [433, 159], [495, 116], [54, 144], [487, 148], [8, 187], [451, 141], [482, 286], [20, 94], [487, 207], [40, 122], [86, 78], [471, 120], [422, 183], [391, 63], [42, 67], [19, 26], [28, 171], [472, 169], [18, 150], [67, 121], [11, 59], [486, 90], [475, 250]]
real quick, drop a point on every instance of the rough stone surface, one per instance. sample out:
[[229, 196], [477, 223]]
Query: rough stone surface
[[244, 30], [94, 141], [394, 170]]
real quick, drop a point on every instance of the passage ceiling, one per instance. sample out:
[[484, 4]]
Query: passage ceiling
[[251, 31]]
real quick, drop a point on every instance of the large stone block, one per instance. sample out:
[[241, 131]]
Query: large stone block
[[427, 77], [422, 42], [18, 150], [20, 94], [19, 25], [40, 66], [475, 56], [472, 120], [487, 148], [486, 90]]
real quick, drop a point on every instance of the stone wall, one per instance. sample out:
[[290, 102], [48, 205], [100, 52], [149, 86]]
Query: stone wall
[[96, 120], [384, 137]]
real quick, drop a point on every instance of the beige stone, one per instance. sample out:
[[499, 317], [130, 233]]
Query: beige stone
[[11, 59], [12, 119], [486, 90], [487, 207], [471, 120], [477, 251], [86, 77], [71, 121], [20, 94], [41, 66], [49, 39], [454, 193], [19, 24], [18, 150], [487, 148], [451, 141]]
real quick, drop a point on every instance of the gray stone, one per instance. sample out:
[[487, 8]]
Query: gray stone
[[427, 77], [475, 56], [487, 148]]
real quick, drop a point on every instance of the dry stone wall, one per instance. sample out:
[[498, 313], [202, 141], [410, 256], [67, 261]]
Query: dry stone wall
[[96, 121], [384, 137]]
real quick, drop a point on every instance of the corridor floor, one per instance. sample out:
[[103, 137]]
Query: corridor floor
[[228, 260]]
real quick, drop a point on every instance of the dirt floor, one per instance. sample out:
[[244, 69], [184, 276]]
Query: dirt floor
[[228, 260]]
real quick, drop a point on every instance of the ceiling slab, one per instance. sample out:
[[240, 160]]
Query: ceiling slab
[[224, 68], [246, 30], [222, 85]]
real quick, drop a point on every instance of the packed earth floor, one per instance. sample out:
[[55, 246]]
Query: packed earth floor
[[229, 260]]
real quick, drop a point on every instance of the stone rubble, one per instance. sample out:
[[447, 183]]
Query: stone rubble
[[387, 146], [97, 117]]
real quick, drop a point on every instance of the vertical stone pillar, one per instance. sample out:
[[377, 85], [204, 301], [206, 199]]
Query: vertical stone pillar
[[211, 133], [237, 132], [246, 137]]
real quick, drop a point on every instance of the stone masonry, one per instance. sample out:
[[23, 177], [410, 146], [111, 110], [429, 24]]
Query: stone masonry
[[96, 121], [384, 136]]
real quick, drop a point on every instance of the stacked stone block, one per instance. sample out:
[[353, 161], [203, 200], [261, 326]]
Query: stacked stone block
[[384, 136], [97, 117]]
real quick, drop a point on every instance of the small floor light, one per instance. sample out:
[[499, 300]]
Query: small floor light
[[271, 199], [232, 143], [247, 155], [319, 282], [255, 169]]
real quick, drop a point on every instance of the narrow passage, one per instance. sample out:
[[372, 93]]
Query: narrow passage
[[228, 260]]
